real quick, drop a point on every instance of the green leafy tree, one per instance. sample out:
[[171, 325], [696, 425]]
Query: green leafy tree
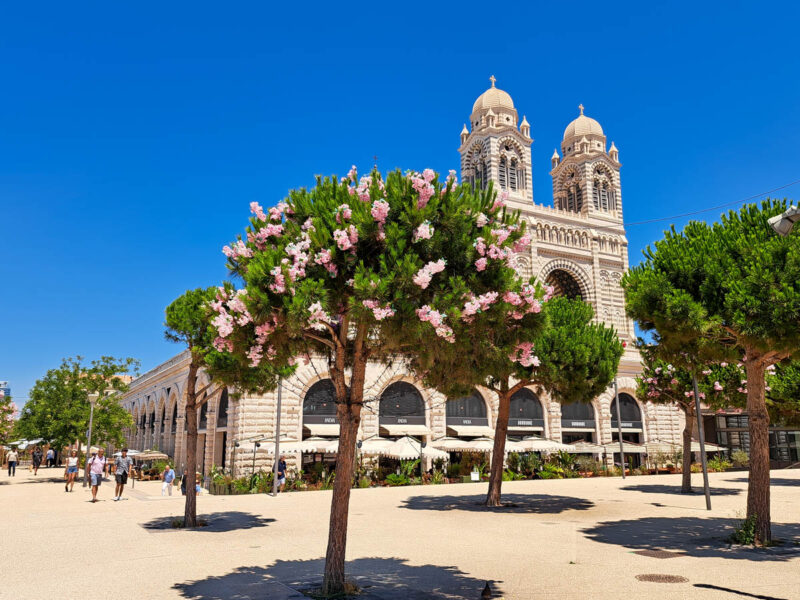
[[666, 381], [575, 359], [783, 394], [358, 270], [8, 413], [187, 321], [58, 408], [729, 288]]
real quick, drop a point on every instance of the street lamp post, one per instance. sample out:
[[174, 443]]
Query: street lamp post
[[619, 429], [92, 401], [256, 446], [276, 462], [701, 434]]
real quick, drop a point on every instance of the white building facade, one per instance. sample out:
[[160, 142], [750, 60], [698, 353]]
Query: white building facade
[[579, 247]]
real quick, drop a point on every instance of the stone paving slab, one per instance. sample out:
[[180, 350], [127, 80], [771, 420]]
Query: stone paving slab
[[561, 539]]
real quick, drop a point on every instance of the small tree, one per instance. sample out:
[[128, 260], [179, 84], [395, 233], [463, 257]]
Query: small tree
[[734, 285], [355, 270], [58, 408], [188, 322], [666, 381], [574, 360]]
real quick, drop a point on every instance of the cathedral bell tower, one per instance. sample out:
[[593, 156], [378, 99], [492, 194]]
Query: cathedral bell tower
[[498, 148], [586, 179]]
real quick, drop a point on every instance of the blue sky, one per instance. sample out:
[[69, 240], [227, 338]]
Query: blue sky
[[133, 139]]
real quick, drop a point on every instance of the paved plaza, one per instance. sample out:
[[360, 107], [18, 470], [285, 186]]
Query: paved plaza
[[581, 538]]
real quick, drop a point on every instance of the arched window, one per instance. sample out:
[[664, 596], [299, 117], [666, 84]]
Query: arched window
[[526, 411], [512, 174], [402, 403], [502, 173], [596, 194], [629, 411], [320, 400], [203, 416], [469, 410], [163, 417], [222, 410], [174, 424], [578, 416], [152, 422]]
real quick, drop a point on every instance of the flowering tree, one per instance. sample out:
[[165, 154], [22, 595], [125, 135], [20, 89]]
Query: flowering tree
[[732, 286], [8, 412], [58, 408], [720, 385], [574, 360], [362, 269]]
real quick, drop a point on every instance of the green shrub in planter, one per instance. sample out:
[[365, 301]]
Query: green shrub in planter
[[740, 458]]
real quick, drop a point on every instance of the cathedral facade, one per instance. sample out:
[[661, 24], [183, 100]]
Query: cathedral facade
[[579, 247]]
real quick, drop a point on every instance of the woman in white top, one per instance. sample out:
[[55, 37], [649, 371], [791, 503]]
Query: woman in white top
[[71, 472]]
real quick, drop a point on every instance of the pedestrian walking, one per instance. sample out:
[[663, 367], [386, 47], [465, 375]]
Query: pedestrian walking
[[122, 466], [98, 467], [36, 459], [281, 474], [71, 472], [12, 458], [168, 476], [50, 457]]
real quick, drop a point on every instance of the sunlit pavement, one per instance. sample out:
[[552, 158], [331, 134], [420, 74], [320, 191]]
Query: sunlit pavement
[[582, 538]]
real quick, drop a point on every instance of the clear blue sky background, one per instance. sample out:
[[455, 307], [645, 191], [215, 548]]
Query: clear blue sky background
[[133, 138]]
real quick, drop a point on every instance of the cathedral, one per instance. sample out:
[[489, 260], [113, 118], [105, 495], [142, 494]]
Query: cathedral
[[579, 247]]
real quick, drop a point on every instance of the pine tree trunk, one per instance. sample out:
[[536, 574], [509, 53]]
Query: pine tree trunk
[[758, 504], [190, 510], [499, 450], [686, 477], [348, 408]]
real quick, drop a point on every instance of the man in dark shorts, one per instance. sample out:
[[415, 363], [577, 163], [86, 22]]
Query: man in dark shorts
[[122, 466], [98, 467]]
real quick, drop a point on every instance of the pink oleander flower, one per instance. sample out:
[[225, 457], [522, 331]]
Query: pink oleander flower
[[279, 285], [309, 225], [707, 372], [451, 177], [426, 273], [522, 243], [513, 298], [428, 175], [689, 394], [487, 299], [379, 312], [256, 209], [427, 314], [471, 307], [480, 246], [501, 234], [423, 232], [323, 257], [500, 201], [380, 210], [723, 364], [480, 264], [223, 345], [352, 174], [343, 213], [481, 220], [523, 354], [255, 355], [673, 381], [346, 238], [223, 323], [318, 316]]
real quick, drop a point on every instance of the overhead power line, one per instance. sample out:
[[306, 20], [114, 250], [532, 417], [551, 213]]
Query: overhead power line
[[698, 212]]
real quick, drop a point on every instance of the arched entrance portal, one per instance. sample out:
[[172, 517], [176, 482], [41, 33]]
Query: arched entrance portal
[[319, 410], [525, 416], [631, 415], [466, 417], [565, 284], [577, 422], [402, 411]]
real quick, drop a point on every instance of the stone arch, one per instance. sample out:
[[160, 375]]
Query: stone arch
[[575, 271], [425, 393], [522, 264]]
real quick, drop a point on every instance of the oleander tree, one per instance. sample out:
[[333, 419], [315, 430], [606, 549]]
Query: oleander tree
[[575, 359], [58, 408], [188, 322], [366, 269], [733, 286], [668, 380], [783, 394], [8, 413]]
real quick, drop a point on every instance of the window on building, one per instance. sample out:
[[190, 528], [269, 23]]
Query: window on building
[[174, 424], [472, 406], [222, 410], [163, 418], [401, 399], [512, 174], [628, 410], [502, 173], [320, 399], [203, 416]]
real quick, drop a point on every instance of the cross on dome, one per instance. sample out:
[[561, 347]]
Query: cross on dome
[[492, 79], [580, 106]]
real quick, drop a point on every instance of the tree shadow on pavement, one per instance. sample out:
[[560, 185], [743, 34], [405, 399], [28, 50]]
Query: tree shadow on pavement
[[378, 578], [214, 522], [512, 503], [698, 537], [773, 481], [48, 479], [655, 488]]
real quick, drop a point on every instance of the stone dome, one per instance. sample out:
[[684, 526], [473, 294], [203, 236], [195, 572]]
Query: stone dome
[[493, 98], [582, 126]]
